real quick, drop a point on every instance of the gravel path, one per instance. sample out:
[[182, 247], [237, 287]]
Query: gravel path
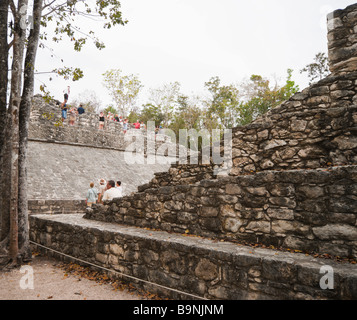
[[50, 282]]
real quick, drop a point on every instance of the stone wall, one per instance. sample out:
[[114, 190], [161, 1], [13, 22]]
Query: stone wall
[[45, 125], [64, 172], [63, 160], [342, 36], [311, 211], [315, 128], [201, 267], [45, 116], [56, 206]]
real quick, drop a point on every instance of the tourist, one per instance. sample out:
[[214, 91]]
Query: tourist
[[142, 125], [112, 192], [125, 125], [118, 186], [92, 195], [72, 116], [64, 107], [81, 109], [116, 118], [137, 125], [102, 188], [110, 116], [101, 121]]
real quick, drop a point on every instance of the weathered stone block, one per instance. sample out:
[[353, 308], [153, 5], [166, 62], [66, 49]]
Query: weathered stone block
[[259, 226], [232, 225], [336, 232], [206, 270]]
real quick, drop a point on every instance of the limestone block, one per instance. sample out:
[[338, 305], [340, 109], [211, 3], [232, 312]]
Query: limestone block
[[116, 249], [298, 125], [346, 143], [259, 226], [233, 189], [336, 232], [311, 191], [281, 213], [206, 270], [334, 24], [232, 225], [283, 226], [273, 144]]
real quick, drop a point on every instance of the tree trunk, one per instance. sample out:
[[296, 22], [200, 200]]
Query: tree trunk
[[4, 4], [25, 108], [13, 128]]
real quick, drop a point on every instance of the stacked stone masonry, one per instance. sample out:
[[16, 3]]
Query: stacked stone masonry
[[199, 267], [307, 210], [342, 36], [46, 126]]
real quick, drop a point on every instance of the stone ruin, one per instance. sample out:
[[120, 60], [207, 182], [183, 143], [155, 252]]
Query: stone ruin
[[264, 231]]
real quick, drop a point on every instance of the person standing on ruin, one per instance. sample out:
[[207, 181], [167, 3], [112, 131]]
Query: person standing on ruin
[[72, 116], [112, 192], [102, 189], [125, 125], [119, 187], [101, 121], [92, 195], [64, 105], [81, 109]]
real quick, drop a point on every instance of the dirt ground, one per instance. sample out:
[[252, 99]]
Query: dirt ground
[[48, 280]]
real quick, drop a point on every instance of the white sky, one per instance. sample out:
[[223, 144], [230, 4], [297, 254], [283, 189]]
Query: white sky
[[190, 41]]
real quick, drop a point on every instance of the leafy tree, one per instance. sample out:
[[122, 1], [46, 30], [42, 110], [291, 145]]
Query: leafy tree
[[124, 90], [150, 112], [22, 41], [224, 103], [110, 109], [259, 96], [318, 69], [187, 115], [165, 99], [89, 100], [133, 116]]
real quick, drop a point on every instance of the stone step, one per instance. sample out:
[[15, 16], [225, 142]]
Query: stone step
[[197, 266], [307, 210]]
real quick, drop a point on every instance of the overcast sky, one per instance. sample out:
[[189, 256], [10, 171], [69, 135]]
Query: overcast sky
[[190, 41]]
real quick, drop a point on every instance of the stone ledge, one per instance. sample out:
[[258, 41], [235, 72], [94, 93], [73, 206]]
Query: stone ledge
[[64, 206], [210, 269], [286, 209]]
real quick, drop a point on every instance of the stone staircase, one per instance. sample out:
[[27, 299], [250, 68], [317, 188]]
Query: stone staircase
[[285, 214], [188, 267]]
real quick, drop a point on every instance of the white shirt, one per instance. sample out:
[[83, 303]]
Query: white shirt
[[112, 193]]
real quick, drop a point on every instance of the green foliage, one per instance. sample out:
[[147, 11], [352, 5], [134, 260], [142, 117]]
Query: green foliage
[[224, 103], [67, 14], [133, 117], [259, 97], [150, 112], [110, 109], [124, 90], [318, 69], [65, 18], [165, 99], [70, 73]]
